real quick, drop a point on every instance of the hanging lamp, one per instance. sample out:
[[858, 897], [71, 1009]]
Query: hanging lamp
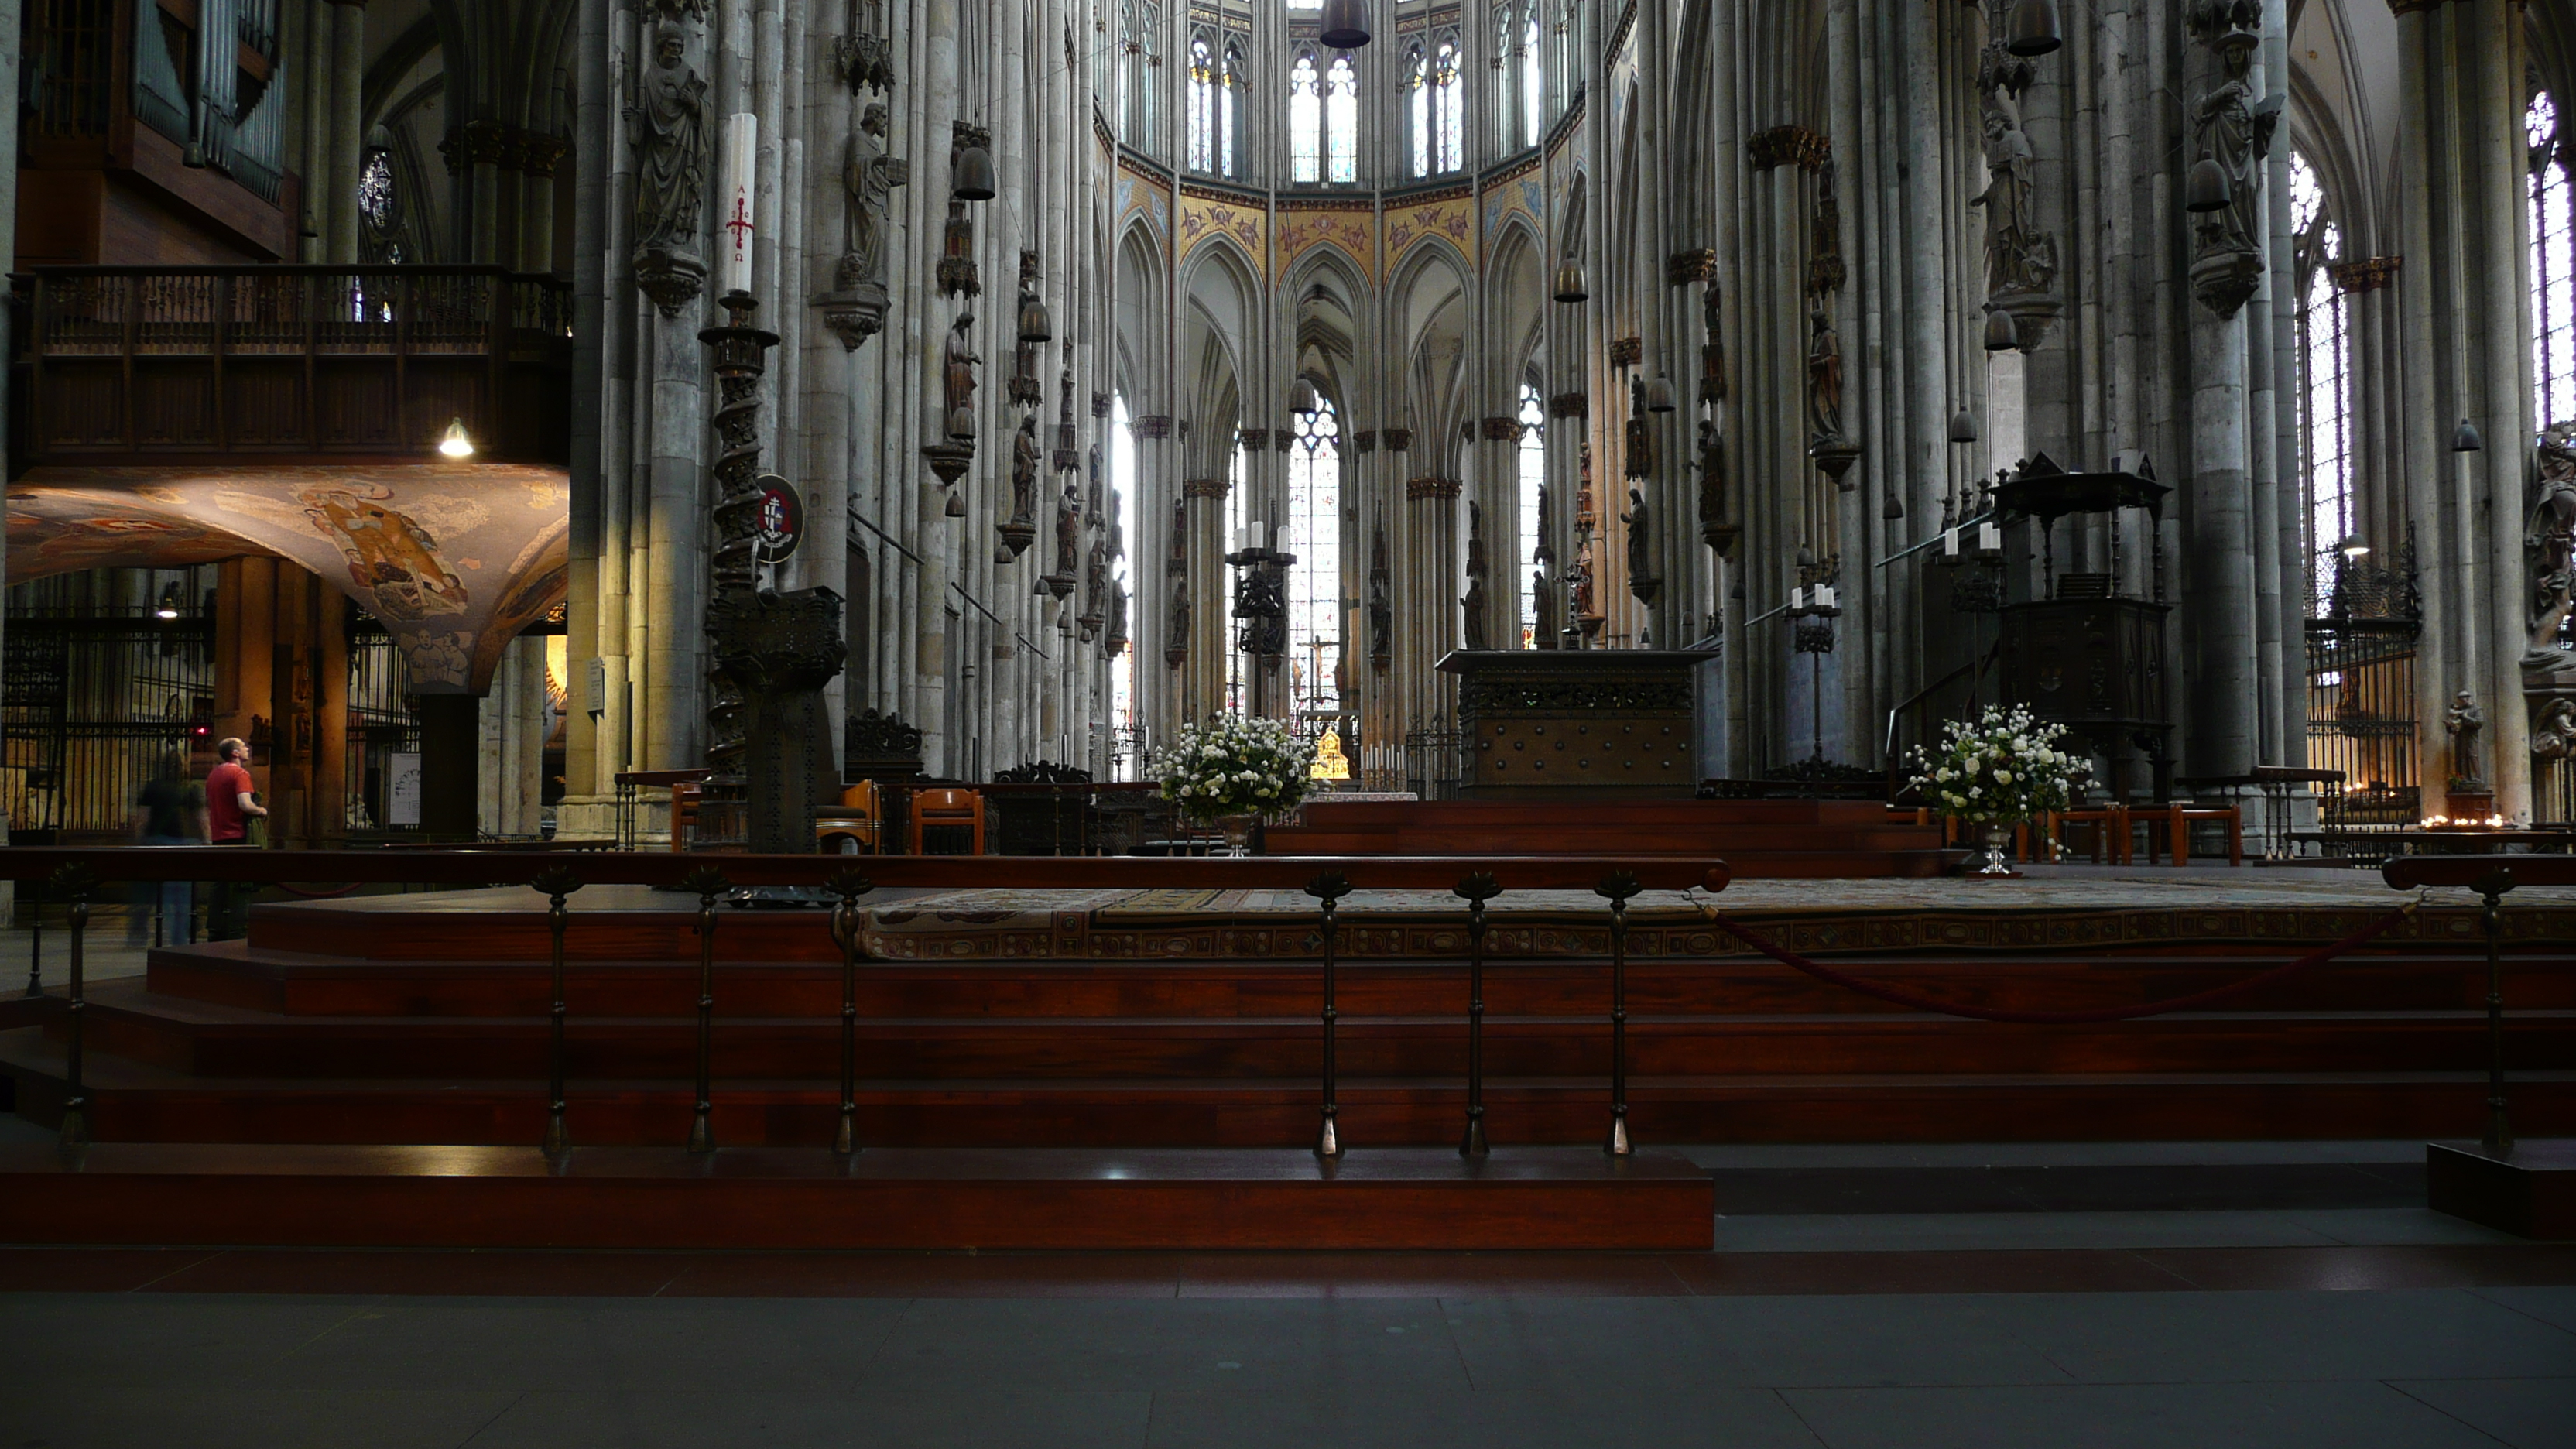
[[1302, 400], [2467, 438], [457, 443], [971, 178], [1035, 325], [2002, 333], [1963, 426], [1659, 395], [1346, 24], [2035, 31], [1570, 286]]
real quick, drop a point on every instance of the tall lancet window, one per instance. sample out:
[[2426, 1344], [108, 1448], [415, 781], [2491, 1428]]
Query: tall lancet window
[[1533, 79], [1229, 94], [2325, 401], [1236, 697], [1417, 107], [1448, 107], [1314, 534], [1305, 119], [1342, 122], [1532, 460], [2553, 266], [1205, 85], [1122, 670]]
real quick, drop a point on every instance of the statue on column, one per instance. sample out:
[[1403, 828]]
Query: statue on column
[[2021, 260], [1116, 642], [1712, 352], [2464, 721], [1542, 610], [1643, 581], [1824, 376], [1176, 637], [1381, 604], [1095, 588], [1715, 529], [870, 178], [1476, 634], [1021, 529], [2234, 131], [668, 127], [957, 375], [1641, 433], [1068, 543]]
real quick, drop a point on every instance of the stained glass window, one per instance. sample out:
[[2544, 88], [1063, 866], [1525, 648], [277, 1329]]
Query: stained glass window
[[1305, 120], [1342, 123], [2553, 267], [1314, 535], [1204, 85], [1448, 108], [1532, 458], [1417, 106], [2325, 402]]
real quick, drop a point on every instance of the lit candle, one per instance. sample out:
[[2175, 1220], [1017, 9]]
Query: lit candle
[[1824, 596], [1990, 536], [742, 149], [1256, 535], [1950, 543], [1797, 598]]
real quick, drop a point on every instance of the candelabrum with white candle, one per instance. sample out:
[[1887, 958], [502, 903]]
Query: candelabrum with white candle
[[1260, 605]]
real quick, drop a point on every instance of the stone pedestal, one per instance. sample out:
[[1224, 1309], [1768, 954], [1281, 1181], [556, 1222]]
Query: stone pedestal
[[782, 649]]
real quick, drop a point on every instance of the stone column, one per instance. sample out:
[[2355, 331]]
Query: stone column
[[348, 135]]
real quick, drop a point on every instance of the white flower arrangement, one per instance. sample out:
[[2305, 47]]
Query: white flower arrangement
[[2001, 769], [1235, 766]]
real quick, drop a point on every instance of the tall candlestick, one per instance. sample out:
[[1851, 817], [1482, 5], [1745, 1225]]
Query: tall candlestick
[[742, 150]]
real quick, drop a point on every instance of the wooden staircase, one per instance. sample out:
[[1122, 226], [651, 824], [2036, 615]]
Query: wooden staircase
[[335, 1027], [1756, 838]]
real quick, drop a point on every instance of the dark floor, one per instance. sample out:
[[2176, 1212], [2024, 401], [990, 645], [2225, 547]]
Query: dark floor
[[2203, 1295]]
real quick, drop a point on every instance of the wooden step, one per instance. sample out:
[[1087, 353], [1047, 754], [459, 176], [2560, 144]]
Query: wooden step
[[487, 1197]]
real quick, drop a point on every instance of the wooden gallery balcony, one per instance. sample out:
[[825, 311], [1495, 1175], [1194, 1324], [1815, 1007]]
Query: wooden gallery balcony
[[287, 364]]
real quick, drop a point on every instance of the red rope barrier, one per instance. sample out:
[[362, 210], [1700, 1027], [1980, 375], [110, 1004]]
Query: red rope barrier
[[1899, 997]]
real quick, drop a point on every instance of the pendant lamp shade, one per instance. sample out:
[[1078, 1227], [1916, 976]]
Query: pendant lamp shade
[[2035, 30], [1346, 24], [972, 177], [2002, 334], [2467, 439], [1035, 325], [1659, 395], [2207, 187], [956, 506], [1570, 287], [1963, 426], [1302, 400]]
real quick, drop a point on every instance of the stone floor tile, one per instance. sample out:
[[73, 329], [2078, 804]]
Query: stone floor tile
[[2164, 1416]]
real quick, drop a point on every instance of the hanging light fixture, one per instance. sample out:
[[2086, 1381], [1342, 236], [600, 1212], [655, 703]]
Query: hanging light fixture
[[1659, 395], [956, 505], [1346, 24], [1570, 287], [2467, 439], [1963, 426], [2207, 187], [1301, 398], [1894, 509], [169, 605], [2353, 548], [2035, 30], [971, 178], [457, 443], [2002, 334], [1035, 324]]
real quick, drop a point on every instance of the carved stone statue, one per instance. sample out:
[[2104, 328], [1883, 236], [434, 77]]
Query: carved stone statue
[[869, 178], [1095, 588], [1543, 624], [1641, 432], [1024, 472], [1543, 547], [1176, 646], [2553, 737], [1068, 534], [1474, 636], [1381, 619], [1824, 375], [667, 125], [1116, 642], [2234, 132], [957, 376], [2021, 260], [1476, 565], [1180, 531], [1643, 581], [2550, 531], [2464, 721], [1712, 352]]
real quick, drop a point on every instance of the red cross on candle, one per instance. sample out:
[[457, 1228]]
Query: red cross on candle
[[740, 226]]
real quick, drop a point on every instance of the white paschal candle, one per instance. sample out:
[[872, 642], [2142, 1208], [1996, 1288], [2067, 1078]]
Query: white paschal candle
[[735, 221]]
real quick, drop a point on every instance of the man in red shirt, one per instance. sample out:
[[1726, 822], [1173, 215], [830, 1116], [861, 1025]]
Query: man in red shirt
[[231, 805]]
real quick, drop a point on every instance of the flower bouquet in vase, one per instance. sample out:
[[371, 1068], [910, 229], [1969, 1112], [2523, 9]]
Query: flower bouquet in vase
[[1997, 771], [1231, 771]]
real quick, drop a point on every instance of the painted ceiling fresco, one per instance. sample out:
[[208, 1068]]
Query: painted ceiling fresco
[[453, 559]]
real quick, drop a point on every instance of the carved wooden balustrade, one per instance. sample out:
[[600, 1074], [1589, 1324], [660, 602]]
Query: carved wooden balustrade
[[126, 365]]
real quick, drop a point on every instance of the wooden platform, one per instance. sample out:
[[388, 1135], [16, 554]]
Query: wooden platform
[[497, 1197], [1792, 839], [2530, 1192]]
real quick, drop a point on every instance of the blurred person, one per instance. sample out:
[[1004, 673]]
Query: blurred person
[[232, 803], [170, 809]]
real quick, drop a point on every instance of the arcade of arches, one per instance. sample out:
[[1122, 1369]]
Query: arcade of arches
[[1527, 325]]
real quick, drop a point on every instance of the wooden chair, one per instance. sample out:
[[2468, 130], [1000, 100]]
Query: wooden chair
[[2176, 819], [856, 826], [684, 813], [948, 809], [2110, 829]]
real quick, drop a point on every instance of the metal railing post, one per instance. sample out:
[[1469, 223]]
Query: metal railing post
[[1476, 889], [1617, 887], [74, 883], [707, 883], [1329, 888], [849, 885], [2498, 1141], [557, 885]]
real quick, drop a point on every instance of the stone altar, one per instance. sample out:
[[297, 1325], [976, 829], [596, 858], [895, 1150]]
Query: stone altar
[[1607, 722]]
